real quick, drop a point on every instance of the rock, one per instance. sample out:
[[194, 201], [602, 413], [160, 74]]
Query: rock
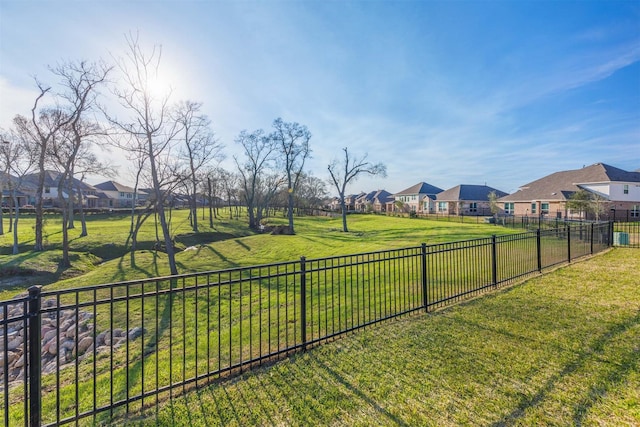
[[84, 344], [49, 335], [14, 343], [135, 333]]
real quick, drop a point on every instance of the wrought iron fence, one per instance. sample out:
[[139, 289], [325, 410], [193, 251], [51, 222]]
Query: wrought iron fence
[[626, 234], [100, 354]]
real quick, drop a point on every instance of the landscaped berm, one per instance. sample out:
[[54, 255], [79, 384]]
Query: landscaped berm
[[561, 349]]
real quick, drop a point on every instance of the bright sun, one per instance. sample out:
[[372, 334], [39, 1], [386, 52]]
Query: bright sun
[[159, 85]]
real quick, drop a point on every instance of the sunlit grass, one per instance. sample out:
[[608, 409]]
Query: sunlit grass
[[560, 349], [102, 257]]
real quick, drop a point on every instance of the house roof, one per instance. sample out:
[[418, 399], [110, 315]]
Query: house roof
[[469, 193], [51, 179], [559, 186], [420, 188], [380, 196], [113, 186]]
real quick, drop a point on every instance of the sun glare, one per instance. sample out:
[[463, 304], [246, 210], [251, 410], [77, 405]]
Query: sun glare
[[159, 85]]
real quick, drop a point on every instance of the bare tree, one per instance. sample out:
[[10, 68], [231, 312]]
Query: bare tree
[[311, 191], [17, 161], [348, 170], [37, 134], [258, 161], [70, 153], [229, 182], [292, 141], [81, 82], [149, 125], [200, 147], [138, 217]]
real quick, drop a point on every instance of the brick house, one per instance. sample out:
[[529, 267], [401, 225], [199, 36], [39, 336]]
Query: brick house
[[466, 200], [419, 198], [616, 188]]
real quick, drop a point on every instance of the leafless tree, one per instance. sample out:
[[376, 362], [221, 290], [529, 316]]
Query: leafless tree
[[17, 161], [37, 134], [257, 165], [150, 126], [311, 191], [229, 182], [292, 142], [345, 171], [81, 82], [199, 149]]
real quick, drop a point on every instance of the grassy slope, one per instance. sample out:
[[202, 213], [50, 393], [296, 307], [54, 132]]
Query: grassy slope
[[562, 349], [228, 244]]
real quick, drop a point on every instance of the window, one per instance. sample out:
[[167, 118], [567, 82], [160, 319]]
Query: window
[[534, 208], [544, 208], [635, 211], [121, 195], [509, 208], [47, 190], [626, 189], [473, 207], [442, 206]]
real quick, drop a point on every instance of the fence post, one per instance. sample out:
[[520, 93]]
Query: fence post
[[591, 238], [34, 361], [611, 224], [425, 299], [568, 243], [539, 249], [303, 302], [494, 261]]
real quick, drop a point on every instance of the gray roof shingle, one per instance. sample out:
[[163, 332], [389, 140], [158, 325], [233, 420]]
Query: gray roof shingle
[[468, 193], [559, 186], [420, 188]]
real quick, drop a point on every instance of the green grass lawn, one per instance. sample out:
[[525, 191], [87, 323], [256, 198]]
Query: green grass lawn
[[560, 349], [102, 257]]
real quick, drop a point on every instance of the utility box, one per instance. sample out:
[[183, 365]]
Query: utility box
[[620, 238]]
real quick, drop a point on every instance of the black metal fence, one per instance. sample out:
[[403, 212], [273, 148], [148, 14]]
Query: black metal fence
[[626, 234], [103, 354]]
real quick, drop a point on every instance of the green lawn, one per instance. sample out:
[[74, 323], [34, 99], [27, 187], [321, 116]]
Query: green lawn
[[560, 349], [102, 257]]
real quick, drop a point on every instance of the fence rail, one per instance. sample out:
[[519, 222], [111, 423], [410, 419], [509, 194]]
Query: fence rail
[[103, 353]]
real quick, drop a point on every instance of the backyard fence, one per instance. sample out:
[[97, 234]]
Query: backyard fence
[[103, 354]]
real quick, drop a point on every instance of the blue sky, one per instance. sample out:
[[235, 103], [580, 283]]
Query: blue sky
[[456, 92]]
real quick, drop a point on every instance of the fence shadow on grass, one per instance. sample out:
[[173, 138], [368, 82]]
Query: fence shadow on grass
[[622, 369]]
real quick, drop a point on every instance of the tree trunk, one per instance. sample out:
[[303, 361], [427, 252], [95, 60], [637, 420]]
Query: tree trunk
[[39, 245], [290, 210], [194, 208], [16, 211], [65, 262], [344, 216]]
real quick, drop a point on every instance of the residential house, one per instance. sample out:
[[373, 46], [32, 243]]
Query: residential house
[[115, 195], [350, 201], [466, 200], [419, 198], [548, 196], [50, 196], [375, 201]]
